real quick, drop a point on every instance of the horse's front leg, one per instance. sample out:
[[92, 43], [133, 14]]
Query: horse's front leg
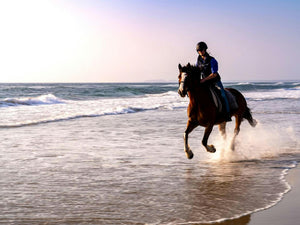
[[189, 128], [209, 148]]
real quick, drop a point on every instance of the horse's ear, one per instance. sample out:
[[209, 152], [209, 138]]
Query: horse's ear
[[179, 66]]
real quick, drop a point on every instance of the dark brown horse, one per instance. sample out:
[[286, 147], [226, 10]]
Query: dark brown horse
[[203, 111]]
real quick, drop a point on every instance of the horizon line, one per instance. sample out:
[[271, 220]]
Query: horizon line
[[146, 81]]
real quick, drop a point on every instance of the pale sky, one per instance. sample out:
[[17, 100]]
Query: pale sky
[[139, 40]]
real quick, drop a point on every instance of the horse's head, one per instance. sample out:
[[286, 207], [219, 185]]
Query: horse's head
[[186, 78]]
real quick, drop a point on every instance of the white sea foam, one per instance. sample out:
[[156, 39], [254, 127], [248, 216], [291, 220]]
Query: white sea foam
[[244, 83], [39, 100], [49, 110], [279, 83], [275, 94]]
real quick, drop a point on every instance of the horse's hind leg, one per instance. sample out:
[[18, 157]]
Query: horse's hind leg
[[189, 128], [238, 121], [222, 129], [209, 148]]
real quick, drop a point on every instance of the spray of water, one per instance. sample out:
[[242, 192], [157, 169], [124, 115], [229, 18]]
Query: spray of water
[[260, 142]]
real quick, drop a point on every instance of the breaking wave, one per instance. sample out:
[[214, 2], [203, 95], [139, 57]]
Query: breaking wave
[[39, 100]]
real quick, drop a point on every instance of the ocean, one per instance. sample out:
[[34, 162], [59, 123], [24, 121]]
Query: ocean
[[112, 153]]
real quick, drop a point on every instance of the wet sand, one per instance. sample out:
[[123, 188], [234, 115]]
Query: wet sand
[[286, 212]]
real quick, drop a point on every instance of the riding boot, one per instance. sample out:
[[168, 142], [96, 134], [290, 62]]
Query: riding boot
[[227, 108], [227, 113]]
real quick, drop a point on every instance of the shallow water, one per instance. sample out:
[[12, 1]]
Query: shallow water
[[127, 169], [131, 168]]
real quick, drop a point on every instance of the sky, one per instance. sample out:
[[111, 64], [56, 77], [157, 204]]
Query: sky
[[139, 40]]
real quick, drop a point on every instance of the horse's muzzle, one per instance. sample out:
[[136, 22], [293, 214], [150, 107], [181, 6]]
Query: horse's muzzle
[[182, 93]]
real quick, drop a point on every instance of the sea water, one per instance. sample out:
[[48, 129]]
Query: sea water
[[113, 154]]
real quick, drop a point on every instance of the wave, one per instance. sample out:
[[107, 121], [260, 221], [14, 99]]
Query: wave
[[273, 95], [263, 86], [49, 99], [39, 100], [60, 119], [266, 83], [49, 109], [20, 94], [244, 83]]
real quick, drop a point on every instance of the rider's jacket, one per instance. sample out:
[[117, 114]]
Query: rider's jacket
[[207, 66]]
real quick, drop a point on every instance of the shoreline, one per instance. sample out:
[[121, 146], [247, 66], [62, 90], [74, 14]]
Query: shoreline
[[286, 211]]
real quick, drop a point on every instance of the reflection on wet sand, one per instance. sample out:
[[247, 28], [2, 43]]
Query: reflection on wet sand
[[224, 191]]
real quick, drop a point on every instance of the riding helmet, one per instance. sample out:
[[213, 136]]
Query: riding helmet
[[201, 46]]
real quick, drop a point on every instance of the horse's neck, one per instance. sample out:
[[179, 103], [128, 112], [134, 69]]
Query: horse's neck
[[200, 96]]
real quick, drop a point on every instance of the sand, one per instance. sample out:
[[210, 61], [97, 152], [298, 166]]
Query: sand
[[286, 212]]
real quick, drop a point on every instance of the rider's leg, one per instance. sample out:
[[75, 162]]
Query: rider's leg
[[227, 116]]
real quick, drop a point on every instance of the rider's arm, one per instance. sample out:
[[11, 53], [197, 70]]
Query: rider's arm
[[212, 77]]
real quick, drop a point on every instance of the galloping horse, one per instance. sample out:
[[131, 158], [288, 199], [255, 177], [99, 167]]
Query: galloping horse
[[203, 111]]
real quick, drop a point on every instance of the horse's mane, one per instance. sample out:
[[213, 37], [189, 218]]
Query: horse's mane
[[193, 71]]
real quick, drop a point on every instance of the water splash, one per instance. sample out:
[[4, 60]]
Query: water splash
[[264, 141]]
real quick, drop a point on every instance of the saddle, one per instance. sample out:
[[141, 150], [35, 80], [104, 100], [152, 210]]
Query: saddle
[[218, 99]]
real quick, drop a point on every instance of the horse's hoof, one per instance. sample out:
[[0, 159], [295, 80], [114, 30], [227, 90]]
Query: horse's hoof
[[211, 148], [189, 154]]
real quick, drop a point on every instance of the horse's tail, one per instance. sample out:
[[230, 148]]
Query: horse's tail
[[248, 116]]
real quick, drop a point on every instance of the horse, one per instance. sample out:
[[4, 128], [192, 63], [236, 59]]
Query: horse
[[203, 111]]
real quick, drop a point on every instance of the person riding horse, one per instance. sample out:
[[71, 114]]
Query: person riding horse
[[202, 110], [209, 73]]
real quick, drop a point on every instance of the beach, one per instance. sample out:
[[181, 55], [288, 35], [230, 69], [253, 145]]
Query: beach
[[101, 104], [71, 155], [286, 212]]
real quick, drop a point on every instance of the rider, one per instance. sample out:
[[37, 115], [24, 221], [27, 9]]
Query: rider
[[209, 72]]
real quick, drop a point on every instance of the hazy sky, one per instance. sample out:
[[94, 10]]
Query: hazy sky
[[134, 41]]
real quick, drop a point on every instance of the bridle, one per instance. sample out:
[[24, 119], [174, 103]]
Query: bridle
[[184, 75]]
